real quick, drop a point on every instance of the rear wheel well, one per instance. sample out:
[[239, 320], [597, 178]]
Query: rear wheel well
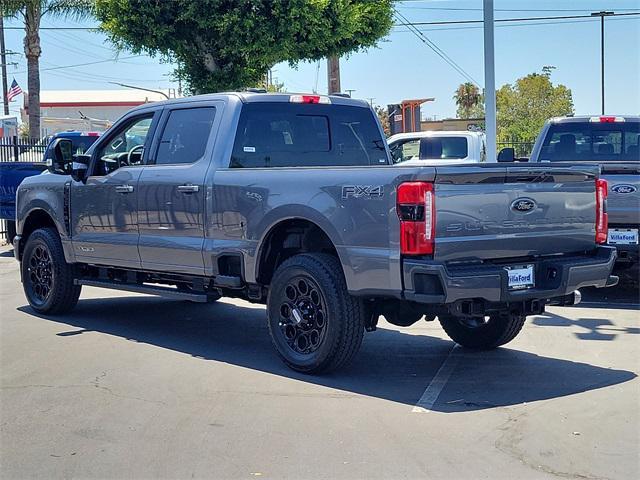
[[289, 238]]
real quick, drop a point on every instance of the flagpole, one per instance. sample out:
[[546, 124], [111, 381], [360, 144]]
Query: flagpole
[[3, 59]]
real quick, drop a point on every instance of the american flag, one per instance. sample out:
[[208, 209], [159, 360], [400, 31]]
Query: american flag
[[14, 91]]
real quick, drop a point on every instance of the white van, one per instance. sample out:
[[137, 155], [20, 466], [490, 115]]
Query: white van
[[438, 147]]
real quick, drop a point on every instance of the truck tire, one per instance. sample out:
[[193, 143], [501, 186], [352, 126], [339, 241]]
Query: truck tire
[[47, 278], [11, 231], [482, 333], [315, 325]]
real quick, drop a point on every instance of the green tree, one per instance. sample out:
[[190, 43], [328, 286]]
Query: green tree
[[30, 12], [223, 45], [469, 101], [525, 106], [383, 116]]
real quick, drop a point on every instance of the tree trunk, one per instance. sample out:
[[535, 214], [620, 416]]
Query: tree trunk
[[32, 51]]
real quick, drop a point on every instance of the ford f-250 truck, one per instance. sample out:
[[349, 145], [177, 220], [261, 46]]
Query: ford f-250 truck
[[612, 143], [292, 201]]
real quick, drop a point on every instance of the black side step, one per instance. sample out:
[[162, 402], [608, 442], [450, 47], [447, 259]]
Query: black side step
[[227, 281], [148, 289]]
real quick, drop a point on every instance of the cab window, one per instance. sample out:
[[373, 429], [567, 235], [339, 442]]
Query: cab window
[[273, 134], [402, 151], [125, 147]]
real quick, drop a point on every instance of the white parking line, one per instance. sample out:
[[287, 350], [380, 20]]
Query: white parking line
[[431, 394]]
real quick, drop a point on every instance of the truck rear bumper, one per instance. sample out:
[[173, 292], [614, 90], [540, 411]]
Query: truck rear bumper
[[435, 283]]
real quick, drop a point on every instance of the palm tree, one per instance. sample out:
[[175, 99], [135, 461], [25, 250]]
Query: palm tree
[[30, 12], [467, 97]]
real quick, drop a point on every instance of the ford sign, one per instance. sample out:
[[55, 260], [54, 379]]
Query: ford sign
[[523, 205], [623, 188]]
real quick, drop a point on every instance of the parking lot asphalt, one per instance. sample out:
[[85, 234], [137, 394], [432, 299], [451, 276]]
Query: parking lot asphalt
[[131, 386]]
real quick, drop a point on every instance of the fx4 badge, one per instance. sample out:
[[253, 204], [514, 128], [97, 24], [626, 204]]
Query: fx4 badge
[[362, 191]]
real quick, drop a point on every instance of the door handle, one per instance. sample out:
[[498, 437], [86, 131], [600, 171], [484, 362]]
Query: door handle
[[124, 188], [188, 188]]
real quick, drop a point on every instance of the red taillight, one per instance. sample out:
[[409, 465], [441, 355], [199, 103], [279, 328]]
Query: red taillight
[[416, 210], [602, 219]]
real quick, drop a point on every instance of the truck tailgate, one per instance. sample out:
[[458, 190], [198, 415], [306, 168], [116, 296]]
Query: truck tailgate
[[495, 212], [623, 204]]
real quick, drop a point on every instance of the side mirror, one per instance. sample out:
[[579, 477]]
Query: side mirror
[[80, 166], [59, 156], [507, 155]]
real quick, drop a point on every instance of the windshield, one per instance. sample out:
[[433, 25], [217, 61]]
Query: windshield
[[611, 142]]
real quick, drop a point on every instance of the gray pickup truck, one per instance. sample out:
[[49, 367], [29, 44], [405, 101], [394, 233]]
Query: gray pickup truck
[[612, 143], [292, 201]]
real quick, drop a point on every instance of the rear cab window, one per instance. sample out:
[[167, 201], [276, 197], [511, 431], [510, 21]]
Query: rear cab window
[[591, 141], [444, 148], [279, 134]]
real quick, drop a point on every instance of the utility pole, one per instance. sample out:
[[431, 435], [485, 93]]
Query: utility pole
[[371, 99], [489, 81], [350, 91], [602, 15], [3, 60], [333, 75]]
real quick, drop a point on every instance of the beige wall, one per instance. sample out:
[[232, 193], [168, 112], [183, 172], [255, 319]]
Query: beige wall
[[451, 124]]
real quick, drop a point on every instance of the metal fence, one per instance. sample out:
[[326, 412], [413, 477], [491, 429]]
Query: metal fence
[[522, 147], [16, 149]]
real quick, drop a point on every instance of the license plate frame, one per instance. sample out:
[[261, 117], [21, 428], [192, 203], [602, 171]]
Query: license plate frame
[[622, 241], [520, 277]]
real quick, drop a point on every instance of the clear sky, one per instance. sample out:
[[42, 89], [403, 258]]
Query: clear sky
[[402, 67]]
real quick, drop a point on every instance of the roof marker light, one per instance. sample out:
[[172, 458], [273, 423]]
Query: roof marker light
[[606, 119], [310, 99]]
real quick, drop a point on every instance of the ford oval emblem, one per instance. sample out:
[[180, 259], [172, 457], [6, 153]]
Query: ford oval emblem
[[523, 205], [623, 188]]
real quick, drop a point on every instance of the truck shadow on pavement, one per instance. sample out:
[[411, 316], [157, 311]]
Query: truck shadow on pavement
[[589, 328], [391, 365]]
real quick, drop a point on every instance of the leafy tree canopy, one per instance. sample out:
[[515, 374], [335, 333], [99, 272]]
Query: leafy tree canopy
[[223, 45], [469, 101], [524, 106]]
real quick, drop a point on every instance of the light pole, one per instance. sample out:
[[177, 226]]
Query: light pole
[[602, 14], [489, 80]]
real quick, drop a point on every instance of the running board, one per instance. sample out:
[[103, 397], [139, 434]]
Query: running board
[[148, 289]]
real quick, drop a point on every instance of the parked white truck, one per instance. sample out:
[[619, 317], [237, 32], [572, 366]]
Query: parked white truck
[[438, 147]]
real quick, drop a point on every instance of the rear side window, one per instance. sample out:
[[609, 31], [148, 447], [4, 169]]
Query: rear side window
[[185, 135], [443, 148], [592, 142], [294, 135]]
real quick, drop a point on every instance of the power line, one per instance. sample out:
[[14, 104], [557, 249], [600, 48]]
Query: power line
[[522, 19], [438, 51], [463, 9], [83, 64], [627, 12], [56, 28], [534, 24]]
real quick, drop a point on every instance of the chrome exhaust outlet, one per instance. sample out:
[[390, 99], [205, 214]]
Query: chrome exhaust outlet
[[573, 298]]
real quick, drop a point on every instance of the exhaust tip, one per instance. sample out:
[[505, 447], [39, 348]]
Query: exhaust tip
[[577, 297]]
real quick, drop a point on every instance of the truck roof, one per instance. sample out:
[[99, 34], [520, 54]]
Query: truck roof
[[435, 133], [257, 97], [588, 118]]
